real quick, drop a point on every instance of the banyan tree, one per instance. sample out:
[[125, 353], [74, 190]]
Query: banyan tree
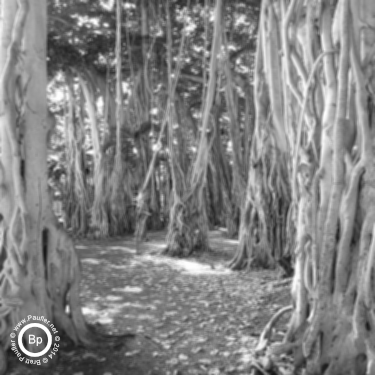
[[119, 170], [313, 156], [39, 269]]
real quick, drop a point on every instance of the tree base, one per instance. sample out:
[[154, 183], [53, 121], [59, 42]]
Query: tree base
[[187, 229]]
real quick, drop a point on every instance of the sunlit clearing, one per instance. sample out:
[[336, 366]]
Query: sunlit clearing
[[138, 306], [108, 315], [225, 241], [189, 266], [113, 298], [105, 320], [122, 248], [99, 316], [158, 245], [140, 317], [129, 289], [91, 261], [124, 266]]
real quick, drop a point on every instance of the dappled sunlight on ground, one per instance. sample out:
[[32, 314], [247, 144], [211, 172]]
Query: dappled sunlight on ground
[[188, 266], [129, 289], [124, 266], [114, 298], [139, 306], [81, 247], [91, 261], [201, 316], [190, 316], [122, 248]]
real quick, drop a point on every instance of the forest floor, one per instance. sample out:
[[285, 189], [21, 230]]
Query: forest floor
[[189, 316]]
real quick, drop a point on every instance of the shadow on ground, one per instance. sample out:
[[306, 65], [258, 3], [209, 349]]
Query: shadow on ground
[[190, 316]]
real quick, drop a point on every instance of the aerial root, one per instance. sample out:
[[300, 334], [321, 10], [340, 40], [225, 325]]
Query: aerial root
[[264, 366], [267, 331]]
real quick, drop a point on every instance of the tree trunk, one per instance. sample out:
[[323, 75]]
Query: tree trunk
[[101, 165], [263, 239], [329, 124], [76, 197], [188, 225], [39, 269]]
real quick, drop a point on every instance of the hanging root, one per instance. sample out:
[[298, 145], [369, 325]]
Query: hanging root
[[142, 207], [266, 335]]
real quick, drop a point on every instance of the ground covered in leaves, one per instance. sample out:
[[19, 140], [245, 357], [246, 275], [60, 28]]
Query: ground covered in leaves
[[189, 316]]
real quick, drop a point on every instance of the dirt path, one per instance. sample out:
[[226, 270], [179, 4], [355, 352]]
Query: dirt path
[[190, 316]]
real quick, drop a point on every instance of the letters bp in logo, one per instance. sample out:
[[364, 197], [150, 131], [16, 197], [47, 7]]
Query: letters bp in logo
[[38, 333]]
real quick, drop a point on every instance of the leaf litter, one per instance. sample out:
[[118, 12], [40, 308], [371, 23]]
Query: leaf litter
[[190, 316]]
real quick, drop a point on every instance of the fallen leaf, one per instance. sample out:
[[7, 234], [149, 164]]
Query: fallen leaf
[[205, 361], [199, 349], [173, 362], [94, 356]]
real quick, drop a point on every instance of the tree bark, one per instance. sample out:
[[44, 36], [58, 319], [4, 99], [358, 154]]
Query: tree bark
[[332, 181], [188, 225], [263, 238], [39, 269]]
